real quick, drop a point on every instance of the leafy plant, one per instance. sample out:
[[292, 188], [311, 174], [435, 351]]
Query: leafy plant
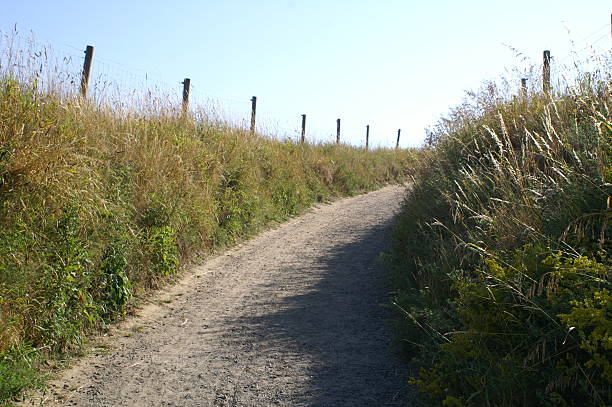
[[116, 286], [163, 251], [17, 371]]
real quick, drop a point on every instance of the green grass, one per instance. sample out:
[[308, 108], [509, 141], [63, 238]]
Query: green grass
[[16, 377], [100, 203], [501, 252], [18, 372]]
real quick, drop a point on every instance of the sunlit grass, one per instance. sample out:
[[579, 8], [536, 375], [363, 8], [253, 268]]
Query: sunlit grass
[[103, 198], [502, 250]]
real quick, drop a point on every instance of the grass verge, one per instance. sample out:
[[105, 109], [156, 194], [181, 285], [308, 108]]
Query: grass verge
[[99, 204], [501, 253]]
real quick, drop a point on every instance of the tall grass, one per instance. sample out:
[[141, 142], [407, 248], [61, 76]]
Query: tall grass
[[102, 202], [502, 249]]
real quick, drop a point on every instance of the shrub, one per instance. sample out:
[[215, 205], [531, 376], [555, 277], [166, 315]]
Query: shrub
[[534, 332]]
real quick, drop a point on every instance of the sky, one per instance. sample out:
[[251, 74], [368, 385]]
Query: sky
[[389, 64]]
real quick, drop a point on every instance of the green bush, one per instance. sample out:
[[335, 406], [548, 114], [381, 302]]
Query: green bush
[[18, 372], [115, 284], [64, 282], [163, 251], [534, 332]]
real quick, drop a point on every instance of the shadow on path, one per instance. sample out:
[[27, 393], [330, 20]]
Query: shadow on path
[[337, 330]]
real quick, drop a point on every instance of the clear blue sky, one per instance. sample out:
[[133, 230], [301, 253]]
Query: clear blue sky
[[387, 63]]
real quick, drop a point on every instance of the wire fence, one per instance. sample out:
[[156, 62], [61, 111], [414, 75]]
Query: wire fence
[[57, 68]]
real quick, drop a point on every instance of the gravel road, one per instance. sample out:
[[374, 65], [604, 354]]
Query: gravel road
[[292, 317]]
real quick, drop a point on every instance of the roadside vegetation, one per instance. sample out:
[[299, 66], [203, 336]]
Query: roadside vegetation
[[100, 203], [501, 252]]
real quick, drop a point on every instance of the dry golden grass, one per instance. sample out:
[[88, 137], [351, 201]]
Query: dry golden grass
[[502, 250], [100, 202]]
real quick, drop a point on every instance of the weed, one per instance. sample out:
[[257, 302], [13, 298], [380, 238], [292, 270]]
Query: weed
[[116, 286], [163, 251], [18, 372]]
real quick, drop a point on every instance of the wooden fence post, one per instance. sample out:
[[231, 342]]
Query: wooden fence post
[[303, 138], [546, 72], [398, 137], [524, 86], [367, 137], [253, 111], [338, 131], [86, 69], [186, 85]]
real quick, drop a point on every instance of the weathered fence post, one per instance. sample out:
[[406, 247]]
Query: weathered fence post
[[86, 69], [338, 131], [367, 137], [524, 86], [398, 137], [186, 85], [253, 111], [546, 72], [303, 138]]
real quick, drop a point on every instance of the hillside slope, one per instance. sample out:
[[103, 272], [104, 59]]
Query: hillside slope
[[98, 205], [503, 282]]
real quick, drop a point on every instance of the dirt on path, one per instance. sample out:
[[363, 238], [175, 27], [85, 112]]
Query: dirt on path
[[292, 317]]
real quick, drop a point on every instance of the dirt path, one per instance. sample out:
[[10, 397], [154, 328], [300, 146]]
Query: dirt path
[[290, 318]]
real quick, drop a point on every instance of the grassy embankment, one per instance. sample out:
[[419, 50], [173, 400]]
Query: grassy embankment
[[97, 207], [501, 254]]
